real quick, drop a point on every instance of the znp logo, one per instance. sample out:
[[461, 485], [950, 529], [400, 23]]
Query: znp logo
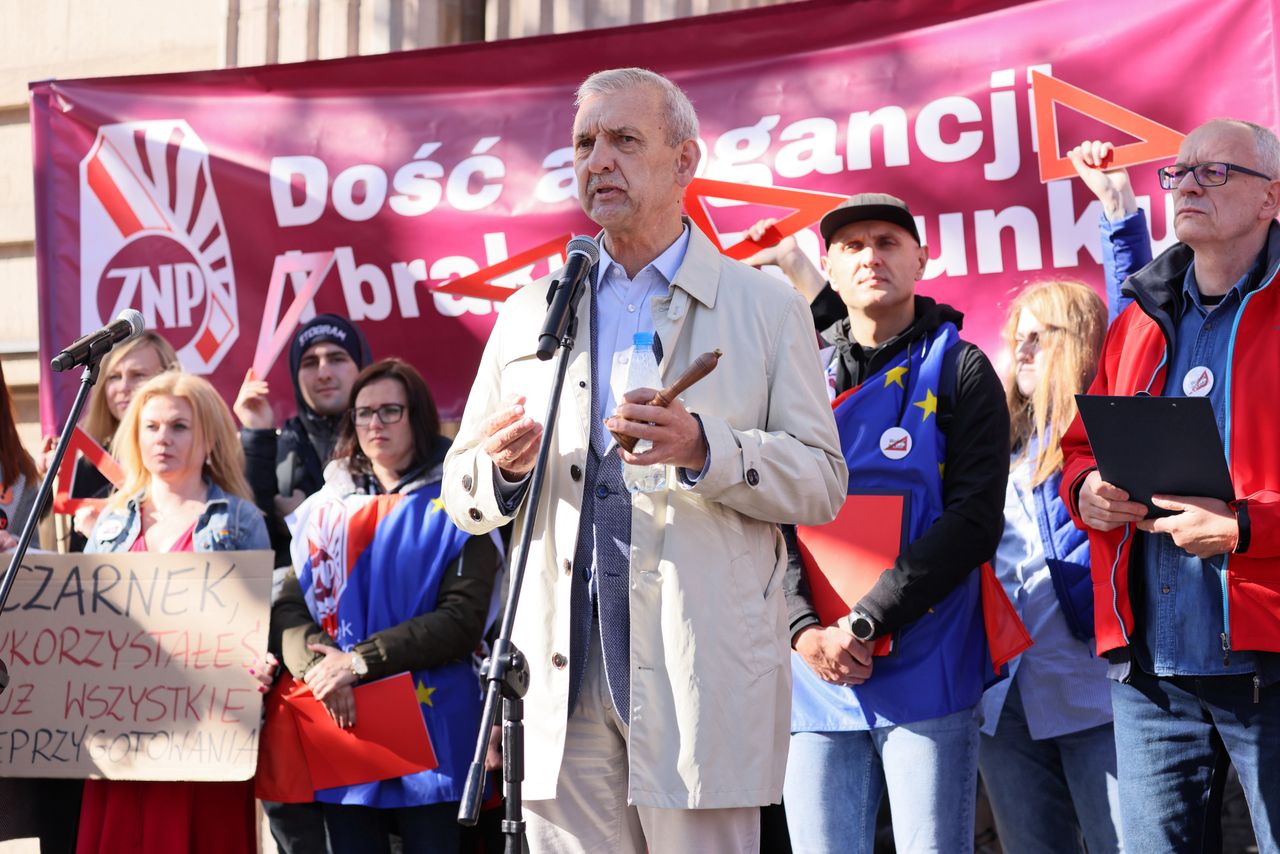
[[152, 237]]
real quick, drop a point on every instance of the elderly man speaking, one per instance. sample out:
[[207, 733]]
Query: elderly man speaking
[[653, 623]]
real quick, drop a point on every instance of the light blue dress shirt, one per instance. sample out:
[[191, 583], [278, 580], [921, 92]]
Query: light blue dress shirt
[[1182, 620], [622, 310], [1063, 685]]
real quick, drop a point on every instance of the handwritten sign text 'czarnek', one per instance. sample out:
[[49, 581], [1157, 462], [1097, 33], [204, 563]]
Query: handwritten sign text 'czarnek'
[[133, 665]]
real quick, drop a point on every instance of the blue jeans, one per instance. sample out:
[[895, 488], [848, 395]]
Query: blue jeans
[[1048, 794], [835, 781], [1172, 734]]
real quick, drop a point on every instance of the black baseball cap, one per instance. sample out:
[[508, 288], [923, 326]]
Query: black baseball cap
[[868, 206]]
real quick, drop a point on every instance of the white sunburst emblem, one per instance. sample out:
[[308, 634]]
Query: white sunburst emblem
[[152, 237]]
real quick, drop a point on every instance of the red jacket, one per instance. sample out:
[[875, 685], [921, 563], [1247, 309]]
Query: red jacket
[[1133, 360]]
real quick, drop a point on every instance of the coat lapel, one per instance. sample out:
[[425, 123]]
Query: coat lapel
[[697, 280], [578, 378]]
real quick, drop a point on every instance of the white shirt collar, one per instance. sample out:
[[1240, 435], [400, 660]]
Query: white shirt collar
[[665, 264]]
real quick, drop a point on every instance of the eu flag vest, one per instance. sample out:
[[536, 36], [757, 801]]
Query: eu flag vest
[[373, 562], [892, 442]]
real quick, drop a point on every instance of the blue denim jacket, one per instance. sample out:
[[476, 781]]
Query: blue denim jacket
[[227, 524]]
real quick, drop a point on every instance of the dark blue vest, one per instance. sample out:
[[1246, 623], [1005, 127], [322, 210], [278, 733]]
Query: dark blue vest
[[1066, 551]]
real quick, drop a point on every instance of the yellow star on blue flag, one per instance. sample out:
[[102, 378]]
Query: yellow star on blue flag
[[437, 504], [894, 376], [424, 694], [929, 404]]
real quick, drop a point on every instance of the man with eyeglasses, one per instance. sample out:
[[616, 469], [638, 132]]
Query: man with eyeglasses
[[1189, 604]]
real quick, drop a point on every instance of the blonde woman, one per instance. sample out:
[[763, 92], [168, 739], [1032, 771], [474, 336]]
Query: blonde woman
[[125, 368], [184, 490], [1047, 751]]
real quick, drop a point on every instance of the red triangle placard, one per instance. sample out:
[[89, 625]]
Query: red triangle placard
[[1158, 141], [477, 284], [97, 456], [807, 208]]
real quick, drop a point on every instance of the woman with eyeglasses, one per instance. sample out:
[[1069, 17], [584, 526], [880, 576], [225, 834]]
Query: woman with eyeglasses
[[385, 583]]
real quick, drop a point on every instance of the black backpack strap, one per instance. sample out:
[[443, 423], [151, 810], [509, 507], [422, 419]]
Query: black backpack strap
[[947, 386]]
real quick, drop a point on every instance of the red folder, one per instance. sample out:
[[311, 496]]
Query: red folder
[[845, 558], [389, 739]]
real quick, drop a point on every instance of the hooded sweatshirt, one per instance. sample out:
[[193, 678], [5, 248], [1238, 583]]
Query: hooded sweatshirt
[[277, 463], [975, 419]]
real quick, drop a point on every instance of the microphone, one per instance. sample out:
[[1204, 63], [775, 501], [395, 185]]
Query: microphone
[[96, 344], [581, 255]]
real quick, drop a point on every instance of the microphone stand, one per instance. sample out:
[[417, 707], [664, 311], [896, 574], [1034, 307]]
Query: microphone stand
[[506, 670], [98, 349]]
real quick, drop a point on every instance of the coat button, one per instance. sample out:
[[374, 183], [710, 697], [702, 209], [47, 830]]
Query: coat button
[[466, 482], [575, 472], [602, 491], [475, 514], [753, 477], [559, 661], [568, 567]]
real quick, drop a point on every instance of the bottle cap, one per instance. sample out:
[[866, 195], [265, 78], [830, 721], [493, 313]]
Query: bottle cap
[[642, 339]]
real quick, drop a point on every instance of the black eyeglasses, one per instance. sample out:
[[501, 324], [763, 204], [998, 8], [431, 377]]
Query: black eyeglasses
[[1212, 174], [388, 413]]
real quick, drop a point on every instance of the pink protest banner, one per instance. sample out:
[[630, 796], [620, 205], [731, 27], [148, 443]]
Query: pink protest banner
[[180, 194]]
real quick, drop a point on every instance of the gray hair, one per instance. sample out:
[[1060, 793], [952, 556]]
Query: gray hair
[[1265, 144], [681, 120]]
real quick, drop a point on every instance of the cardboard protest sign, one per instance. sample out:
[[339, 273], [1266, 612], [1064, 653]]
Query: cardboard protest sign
[[131, 666]]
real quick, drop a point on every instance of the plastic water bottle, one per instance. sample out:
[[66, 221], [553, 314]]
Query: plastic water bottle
[[642, 372]]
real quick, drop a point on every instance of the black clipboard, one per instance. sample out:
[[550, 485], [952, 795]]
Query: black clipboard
[[1157, 446]]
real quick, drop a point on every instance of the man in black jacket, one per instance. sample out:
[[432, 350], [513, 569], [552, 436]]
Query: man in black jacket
[[922, 414], [285, 467]]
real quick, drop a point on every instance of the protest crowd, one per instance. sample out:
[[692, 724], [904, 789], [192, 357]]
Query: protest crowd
[[1097, 659]]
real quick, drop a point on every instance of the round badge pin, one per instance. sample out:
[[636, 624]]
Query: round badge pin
[[1197, 382], [895, 443], [111, 530]]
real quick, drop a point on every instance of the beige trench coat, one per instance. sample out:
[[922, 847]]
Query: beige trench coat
[[710, 666]]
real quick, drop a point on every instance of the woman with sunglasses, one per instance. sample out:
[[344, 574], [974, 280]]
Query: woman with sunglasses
[[1047, 747], [385, 583]]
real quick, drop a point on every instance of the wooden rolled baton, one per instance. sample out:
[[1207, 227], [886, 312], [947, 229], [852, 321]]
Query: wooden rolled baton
[[703, 365]]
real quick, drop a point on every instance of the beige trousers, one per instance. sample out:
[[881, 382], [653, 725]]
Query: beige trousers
[[590, 812]]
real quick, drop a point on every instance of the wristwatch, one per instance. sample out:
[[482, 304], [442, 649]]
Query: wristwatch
[[359, 667], [862, 626]]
